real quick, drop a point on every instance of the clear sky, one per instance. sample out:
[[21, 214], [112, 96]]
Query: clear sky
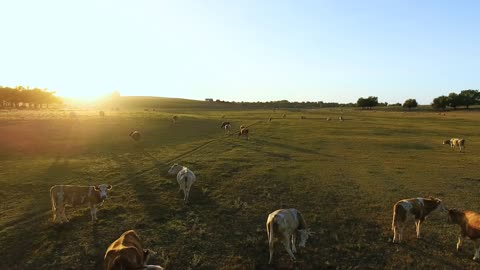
[[243, 50]]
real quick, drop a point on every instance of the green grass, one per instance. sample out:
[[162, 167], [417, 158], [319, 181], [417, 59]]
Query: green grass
[[343, 176]]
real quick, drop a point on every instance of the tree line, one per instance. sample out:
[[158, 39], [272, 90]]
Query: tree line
[[465, 98], [21, 97]]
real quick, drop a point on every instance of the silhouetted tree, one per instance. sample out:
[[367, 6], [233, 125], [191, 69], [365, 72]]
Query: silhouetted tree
[[469, 97], [440, 102], [410, 103], [367, 102], [454, 100]]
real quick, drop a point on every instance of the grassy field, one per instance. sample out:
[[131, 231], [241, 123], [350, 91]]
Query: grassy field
[[343, 176]]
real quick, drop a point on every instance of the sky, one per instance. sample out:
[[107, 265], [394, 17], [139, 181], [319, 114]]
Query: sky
[[246, 50]]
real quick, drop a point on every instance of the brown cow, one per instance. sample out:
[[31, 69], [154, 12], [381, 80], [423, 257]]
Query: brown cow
[[127, 253], [469, 222], [61, 195], [408, 209], [243, 132]]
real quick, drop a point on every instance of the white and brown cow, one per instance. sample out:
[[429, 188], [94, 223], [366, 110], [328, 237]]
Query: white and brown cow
[[469, 222], [456, 142], [185, 179], [283, 225], [243, 132], [127, 253], [417, 209], [136, 135], [226, 126], [62, 195]]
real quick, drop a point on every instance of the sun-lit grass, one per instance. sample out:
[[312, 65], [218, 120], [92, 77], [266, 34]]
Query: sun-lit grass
[[343, 176]]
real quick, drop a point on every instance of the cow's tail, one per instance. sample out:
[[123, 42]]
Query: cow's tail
[[271, 227], [393, 218], [396, 208], [54, 206]]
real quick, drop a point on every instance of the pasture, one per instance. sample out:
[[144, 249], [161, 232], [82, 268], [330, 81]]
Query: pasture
[[344, 176]]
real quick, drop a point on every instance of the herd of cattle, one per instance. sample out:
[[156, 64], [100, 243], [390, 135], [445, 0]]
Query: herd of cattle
[[127, 252]]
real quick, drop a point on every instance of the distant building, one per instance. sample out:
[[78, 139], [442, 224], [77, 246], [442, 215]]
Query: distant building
[[209, 99]]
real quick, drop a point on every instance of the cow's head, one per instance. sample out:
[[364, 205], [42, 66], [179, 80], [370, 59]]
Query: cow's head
[[304, 234], [103, 189], [174, 169], [455, 215], [446, 141], [439, 206]]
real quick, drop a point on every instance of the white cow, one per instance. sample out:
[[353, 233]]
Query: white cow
[[185, 179], [283, 225]]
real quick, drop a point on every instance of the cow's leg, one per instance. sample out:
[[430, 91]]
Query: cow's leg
[[286, 244], [418, 222], [271, 249], [93, 212], [460, 242], [187, 192], [64, 216], [400, 232], [395, 234], [477, 250], [294, 238]]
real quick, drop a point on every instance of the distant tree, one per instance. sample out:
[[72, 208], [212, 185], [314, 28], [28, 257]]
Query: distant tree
[[440, 102], [367, 102], [410, 103], [454, 100], [469, 97]]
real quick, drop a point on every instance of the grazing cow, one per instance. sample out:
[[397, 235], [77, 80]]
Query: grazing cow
[[469, 222], [174, 119], [455, 142], [226, 127], [185, 179], [284, 116], [417, 209], [127, 253], [243, 132], [328, 119], [102, 113], [303, 117], [283, 225], [340, 118], [135, 135], [61, 195]]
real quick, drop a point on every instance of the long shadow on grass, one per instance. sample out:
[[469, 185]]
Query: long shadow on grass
[[291, 147], [147, 193], [21, 232]]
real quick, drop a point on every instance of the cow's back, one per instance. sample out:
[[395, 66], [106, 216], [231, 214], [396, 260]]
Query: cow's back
[[124, 253], [472, 220]]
